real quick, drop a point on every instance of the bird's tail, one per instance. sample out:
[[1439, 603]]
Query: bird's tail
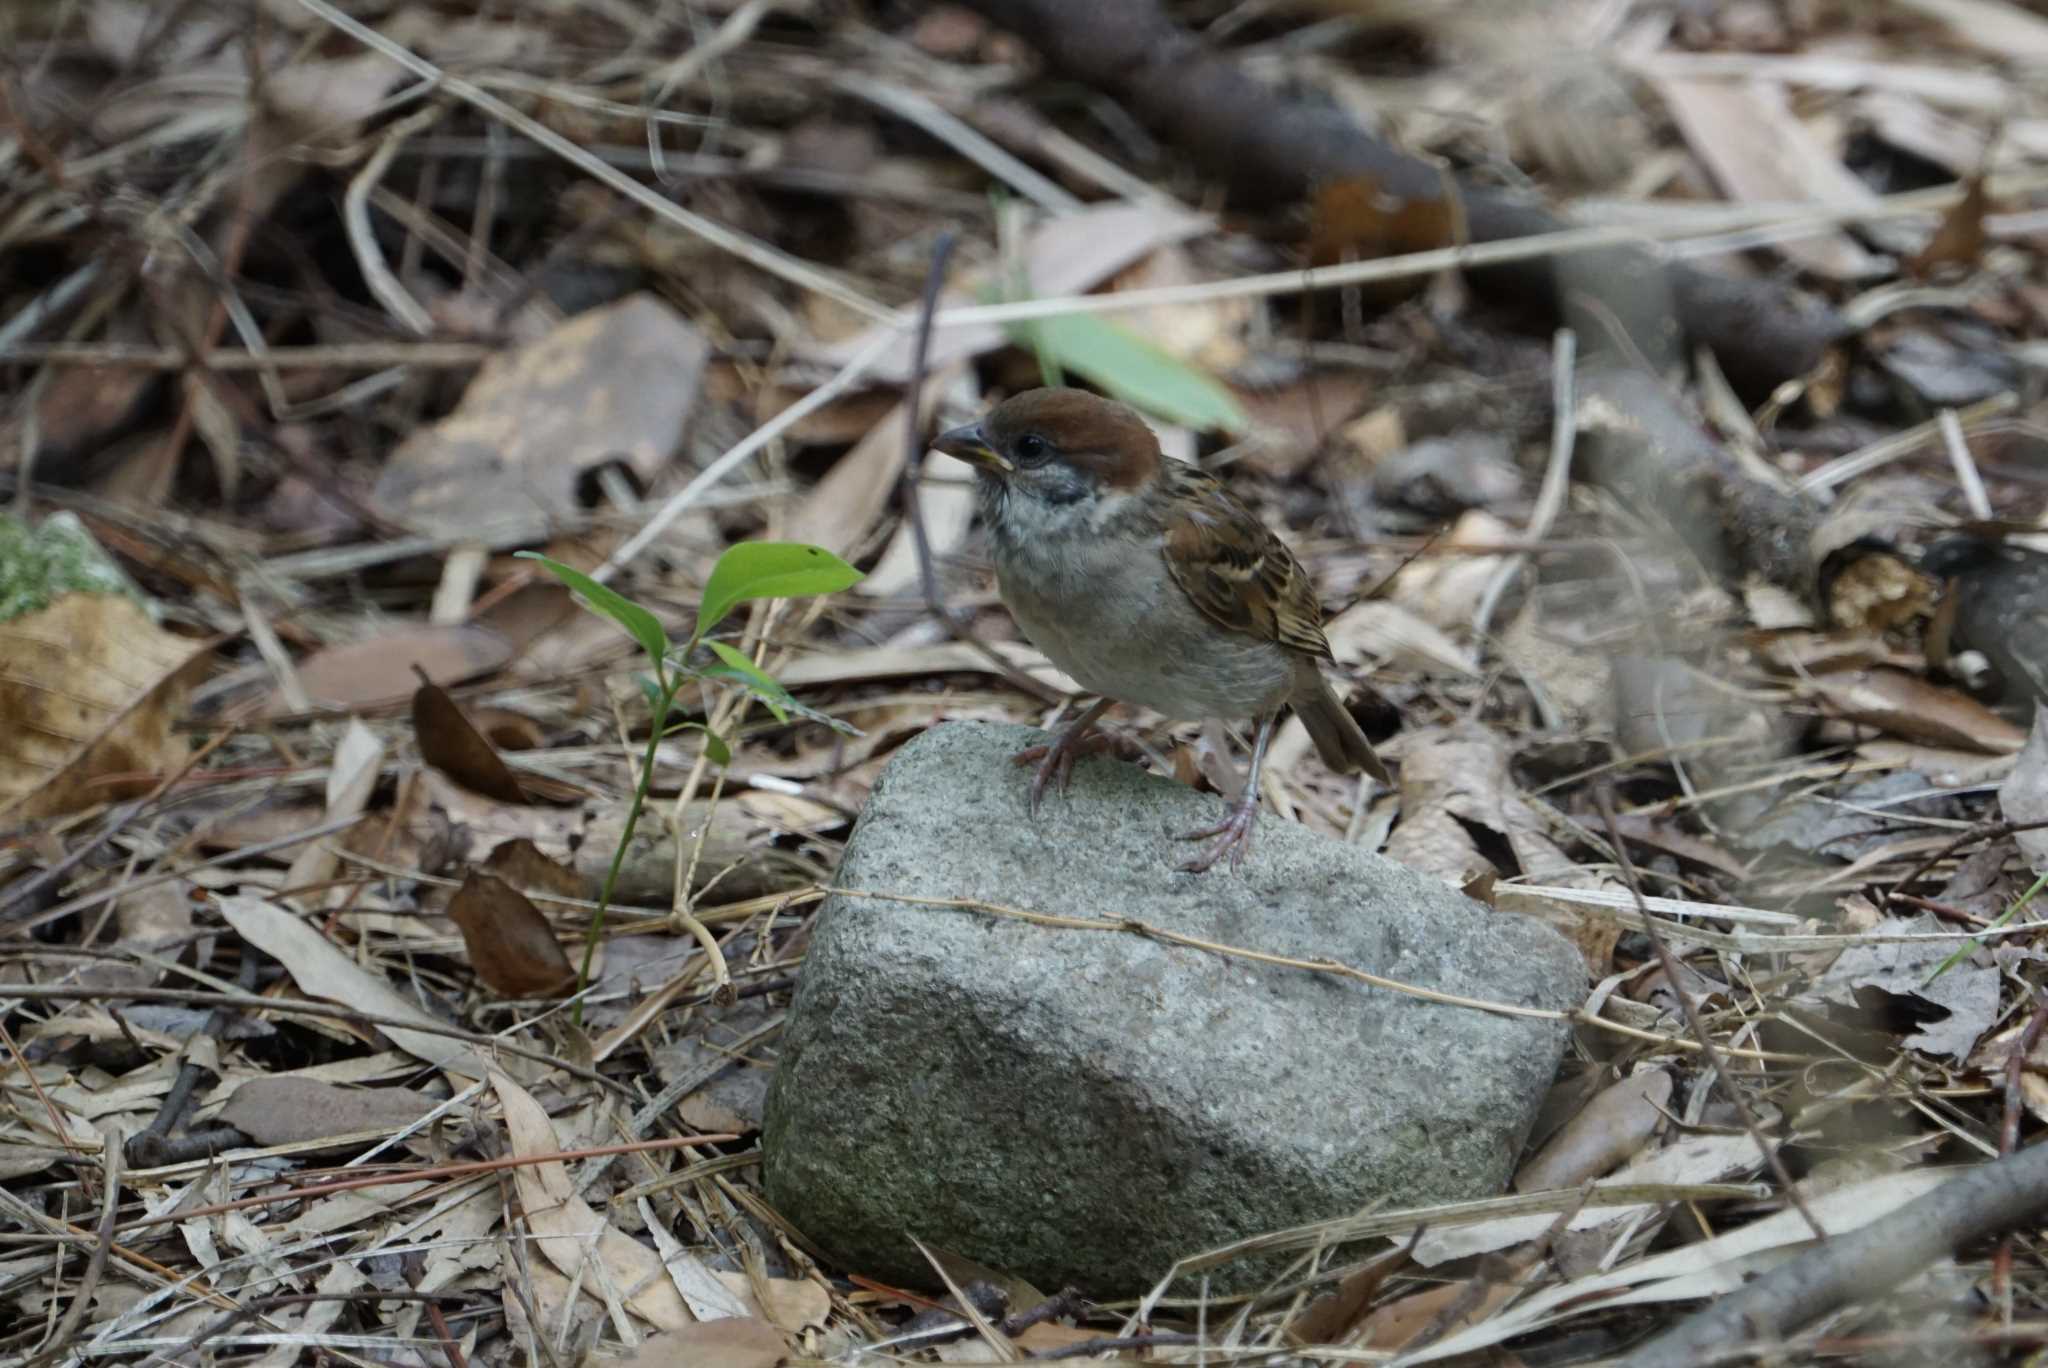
[[1338, 740]]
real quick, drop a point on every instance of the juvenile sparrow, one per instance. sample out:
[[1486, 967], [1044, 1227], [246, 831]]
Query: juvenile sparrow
[[1150, 583]]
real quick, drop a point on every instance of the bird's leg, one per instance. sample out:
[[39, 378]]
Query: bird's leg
[[1233, 835], [1056, 760]]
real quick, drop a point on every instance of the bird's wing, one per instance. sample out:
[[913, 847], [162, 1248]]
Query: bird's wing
[[1237, 572]]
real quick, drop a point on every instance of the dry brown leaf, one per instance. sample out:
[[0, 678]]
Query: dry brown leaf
[[1392, 1326], [947, 501], [511, 945], [1908, 706], [733, 1342], [352, 778], [322, 971], [521, 863], [1446, 589], [1065, 255], [612, 384], [568, 1232], [379, 670], [1329, 1318], [1577, 682], [1700, 1269], [1965, 995], [1290, 422], [1946, 766], [156, 918], [1694, 1159], [81, 408], [794, 1304], [1210, 335], [1379, 632], [840, 512], [1611, 1127], [1455, 782], [1960, 239], [88, 696], [451, 745], [288, 1111], [2024, 795], [1052, 1335], [328, 100], [1759, 152], [507, 729], [1019, 1292], [555, 830], [842, 422], [1801, 652]]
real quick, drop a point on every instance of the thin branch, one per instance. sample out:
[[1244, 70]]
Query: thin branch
[[102, 1245], [1983, 1201], [776, 263], [916, 442], [1675, 973]]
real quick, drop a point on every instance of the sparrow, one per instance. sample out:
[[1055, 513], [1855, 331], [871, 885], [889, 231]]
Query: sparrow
[[1151, 584]]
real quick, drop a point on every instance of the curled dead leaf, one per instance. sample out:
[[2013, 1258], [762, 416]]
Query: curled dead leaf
[[732, 1342], [1906, 705], [284, 1111], [614, 383], [451, 745], [89, 694], [511, 945], [568, 1232], [1959, 239], [379, 670], [1610, 1128]]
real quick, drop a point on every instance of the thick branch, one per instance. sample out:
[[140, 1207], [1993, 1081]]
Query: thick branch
[[1270, 147], [1640, 444], [1862, 1264]]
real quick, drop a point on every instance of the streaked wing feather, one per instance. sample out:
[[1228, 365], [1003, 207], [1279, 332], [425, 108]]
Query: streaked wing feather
[[1237, 572]]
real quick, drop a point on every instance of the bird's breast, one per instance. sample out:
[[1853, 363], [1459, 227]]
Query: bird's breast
[[1114, 619]]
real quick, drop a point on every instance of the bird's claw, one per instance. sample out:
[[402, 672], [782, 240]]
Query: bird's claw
[[1232, 836], [1055, 761]]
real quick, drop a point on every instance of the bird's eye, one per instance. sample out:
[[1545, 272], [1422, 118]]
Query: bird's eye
[[1031, 447]]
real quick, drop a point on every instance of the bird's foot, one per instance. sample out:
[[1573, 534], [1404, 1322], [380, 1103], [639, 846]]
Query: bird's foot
[[1232, 836], [1055, 760]]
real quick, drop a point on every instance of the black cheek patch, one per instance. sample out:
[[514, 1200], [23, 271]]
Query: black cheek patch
[[1065, 487]]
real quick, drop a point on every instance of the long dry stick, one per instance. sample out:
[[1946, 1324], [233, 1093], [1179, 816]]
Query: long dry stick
[[1132, 927], [96, 1266], [40, 992], [437, 1171], [913, 475], [1672, 971], [776, 263], [1983, 1201]]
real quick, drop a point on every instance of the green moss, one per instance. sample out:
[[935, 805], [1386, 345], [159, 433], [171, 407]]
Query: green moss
[[58, 556]]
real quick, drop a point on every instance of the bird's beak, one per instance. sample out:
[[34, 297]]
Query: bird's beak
[[970, 444]]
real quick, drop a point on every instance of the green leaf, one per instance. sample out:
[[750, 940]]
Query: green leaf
[[640, 624], [714, 744], [1128, 367], [758, 681], [757, 570], [780, 703]]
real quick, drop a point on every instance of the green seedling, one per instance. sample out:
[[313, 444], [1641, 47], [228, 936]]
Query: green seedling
[[751, 570]]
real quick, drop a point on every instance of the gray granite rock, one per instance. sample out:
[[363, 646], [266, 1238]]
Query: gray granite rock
[[1087, 1106]]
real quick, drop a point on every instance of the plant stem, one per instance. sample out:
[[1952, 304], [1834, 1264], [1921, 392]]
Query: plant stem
[[669, 685], [1969, 946]]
